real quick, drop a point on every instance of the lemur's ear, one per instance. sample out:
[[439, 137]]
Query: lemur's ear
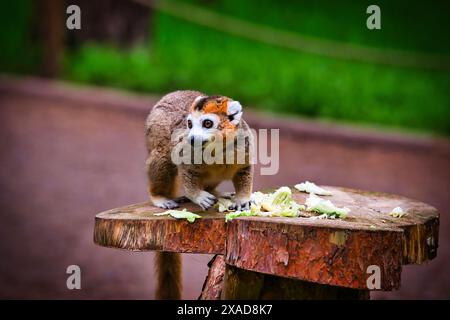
[[234, 112], [197, 100]]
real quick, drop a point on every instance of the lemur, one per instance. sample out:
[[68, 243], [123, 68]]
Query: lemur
[[199, 119]]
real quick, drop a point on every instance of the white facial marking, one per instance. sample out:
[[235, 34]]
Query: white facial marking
[[234, 109], [198, 130]]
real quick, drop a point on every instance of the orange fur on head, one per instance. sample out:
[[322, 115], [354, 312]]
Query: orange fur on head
[[212, 104], [219, 106]]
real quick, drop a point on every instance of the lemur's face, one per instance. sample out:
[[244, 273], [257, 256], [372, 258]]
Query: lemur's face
[[212, 116]]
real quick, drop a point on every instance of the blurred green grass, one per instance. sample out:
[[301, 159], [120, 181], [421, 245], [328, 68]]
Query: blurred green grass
[[415, 25], [183, 55]]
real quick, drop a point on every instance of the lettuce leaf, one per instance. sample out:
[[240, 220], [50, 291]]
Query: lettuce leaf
[[236, 214], [310, 187], [223, 204], [180, 214], [276, 204], [319, 205], [397, 212]]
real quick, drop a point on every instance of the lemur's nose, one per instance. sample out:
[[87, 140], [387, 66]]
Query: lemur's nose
[[193, 140]]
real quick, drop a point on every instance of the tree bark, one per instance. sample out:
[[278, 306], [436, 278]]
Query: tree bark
[[52, 29], [240, 284]]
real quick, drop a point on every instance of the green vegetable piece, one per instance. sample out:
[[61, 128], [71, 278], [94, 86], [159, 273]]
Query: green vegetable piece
[[230, 216], [319, 205], [282, 196], [177, 214], [310, 187], [397, 212]]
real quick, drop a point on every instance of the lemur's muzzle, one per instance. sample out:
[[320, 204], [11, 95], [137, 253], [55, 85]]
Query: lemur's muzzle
[[197, 141]]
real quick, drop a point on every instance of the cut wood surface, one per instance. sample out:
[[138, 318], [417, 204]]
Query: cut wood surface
[[136, 227], [334, 252]]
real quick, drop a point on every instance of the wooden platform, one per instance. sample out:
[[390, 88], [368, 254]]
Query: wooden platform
[[330, 252]]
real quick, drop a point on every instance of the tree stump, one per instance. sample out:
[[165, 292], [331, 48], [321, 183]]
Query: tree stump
[[288, 258]]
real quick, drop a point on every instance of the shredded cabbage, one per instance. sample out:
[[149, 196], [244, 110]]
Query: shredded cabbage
[[319, 205], [397, 212], [275, 204], [223, 204], [232, 215], [180, 214], [310, 187]]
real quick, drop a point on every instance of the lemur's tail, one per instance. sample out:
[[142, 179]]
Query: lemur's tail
[[168, 270]]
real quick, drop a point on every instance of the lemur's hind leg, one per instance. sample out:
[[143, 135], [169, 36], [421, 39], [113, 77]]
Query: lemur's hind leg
[[162, 180]]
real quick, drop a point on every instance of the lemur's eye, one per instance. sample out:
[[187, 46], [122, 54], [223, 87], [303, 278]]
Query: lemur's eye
[[207, 124], [189, 124]]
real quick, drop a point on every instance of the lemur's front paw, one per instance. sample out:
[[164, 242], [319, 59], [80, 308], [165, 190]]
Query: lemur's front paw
[[241, 205], [170, 204], [165, 203], [205, 200]]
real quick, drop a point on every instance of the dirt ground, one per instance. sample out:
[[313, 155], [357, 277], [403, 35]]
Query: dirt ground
[[62, 161]]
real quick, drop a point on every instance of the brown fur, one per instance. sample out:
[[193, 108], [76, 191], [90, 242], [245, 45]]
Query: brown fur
[[168, 115], [168, 268]]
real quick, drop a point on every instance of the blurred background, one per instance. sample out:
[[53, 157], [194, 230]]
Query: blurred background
[[357, 108]]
